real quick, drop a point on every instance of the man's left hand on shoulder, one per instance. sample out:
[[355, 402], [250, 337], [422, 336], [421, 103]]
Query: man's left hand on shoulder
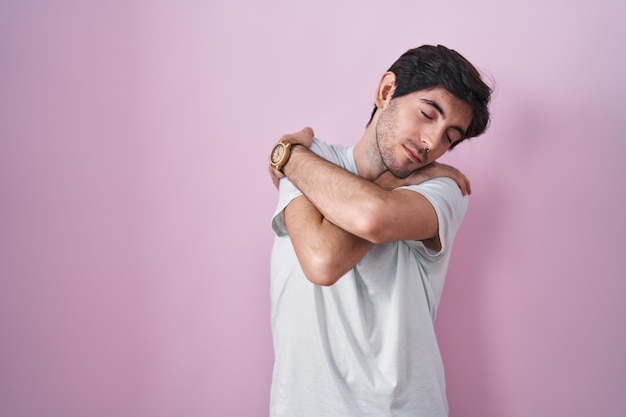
[[433, 170]]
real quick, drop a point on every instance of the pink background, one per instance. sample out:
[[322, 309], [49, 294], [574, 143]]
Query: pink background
[[135, 205]]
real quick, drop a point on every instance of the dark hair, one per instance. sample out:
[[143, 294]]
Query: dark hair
[[437, 66]]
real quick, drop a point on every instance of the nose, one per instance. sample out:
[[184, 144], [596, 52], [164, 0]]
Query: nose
[[431, 139], [426, 145]]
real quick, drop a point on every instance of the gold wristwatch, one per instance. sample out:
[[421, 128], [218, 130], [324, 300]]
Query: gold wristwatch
[[280, 155]]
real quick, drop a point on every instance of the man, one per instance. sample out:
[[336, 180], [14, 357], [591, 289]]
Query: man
[[363, 240]]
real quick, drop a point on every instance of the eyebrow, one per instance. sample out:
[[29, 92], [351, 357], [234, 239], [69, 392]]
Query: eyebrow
[[439, 109]]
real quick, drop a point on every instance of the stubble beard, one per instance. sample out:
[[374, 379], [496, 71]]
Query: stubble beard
[[386, 128]]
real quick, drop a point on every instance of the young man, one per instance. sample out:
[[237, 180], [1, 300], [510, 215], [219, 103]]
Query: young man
[[363, 240]]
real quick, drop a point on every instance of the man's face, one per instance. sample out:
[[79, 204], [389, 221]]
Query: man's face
[[416, 129]]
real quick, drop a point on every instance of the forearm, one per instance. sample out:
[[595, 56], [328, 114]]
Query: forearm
[[325, 252], [379, 211], [346, 200]]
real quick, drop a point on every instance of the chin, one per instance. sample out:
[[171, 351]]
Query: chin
[[400, 173]]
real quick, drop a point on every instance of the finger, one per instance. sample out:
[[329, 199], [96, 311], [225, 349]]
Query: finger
[[307, 131], [305, 136], [463, 187], [275, 173], [302, 137], [461, 182]]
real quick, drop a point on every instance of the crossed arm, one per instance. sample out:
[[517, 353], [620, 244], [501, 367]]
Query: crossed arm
[[340, 215]]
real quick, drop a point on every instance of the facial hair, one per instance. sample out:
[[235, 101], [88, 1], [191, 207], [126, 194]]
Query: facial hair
[[386, 132]]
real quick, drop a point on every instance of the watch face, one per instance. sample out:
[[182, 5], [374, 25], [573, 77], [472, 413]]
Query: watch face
[[277, 153]]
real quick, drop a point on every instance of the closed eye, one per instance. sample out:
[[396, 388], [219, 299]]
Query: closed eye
[[427, 116], [455, 135]]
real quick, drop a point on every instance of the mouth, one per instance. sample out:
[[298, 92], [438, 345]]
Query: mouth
[[413, 156]]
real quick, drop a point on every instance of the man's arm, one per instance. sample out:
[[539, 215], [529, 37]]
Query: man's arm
[[325, 251], [358, 206]]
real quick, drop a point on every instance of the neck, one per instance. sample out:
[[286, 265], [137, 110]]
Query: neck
[[367, 158]]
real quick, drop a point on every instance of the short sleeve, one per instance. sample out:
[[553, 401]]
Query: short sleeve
[[286, 193], [450, 206]]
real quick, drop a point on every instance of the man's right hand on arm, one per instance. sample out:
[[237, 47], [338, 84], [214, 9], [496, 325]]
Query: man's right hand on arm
[[304, 137]]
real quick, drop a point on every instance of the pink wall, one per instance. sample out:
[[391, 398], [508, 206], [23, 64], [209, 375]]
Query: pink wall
[[135, 205]]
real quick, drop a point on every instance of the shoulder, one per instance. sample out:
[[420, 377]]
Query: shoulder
[[450, 207], [449, 203], [442, 191], [332, 153]]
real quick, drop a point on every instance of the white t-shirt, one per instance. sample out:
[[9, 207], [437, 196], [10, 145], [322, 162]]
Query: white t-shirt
[[365, 346]]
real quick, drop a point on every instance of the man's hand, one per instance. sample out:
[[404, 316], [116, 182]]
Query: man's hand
[[433, 170], [304, 138]]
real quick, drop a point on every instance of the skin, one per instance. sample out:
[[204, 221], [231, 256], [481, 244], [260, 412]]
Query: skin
[[340, 215]]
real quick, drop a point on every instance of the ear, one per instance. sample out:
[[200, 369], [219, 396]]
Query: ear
[[385, 90]]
